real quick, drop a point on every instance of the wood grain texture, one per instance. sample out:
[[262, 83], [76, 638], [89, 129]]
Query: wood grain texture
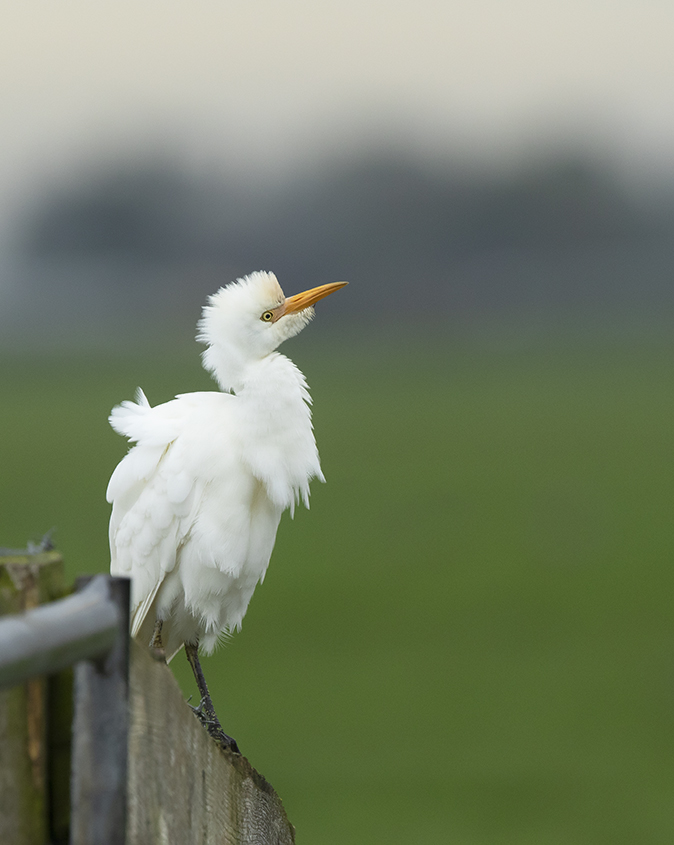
[[25, 582], [182, 787]]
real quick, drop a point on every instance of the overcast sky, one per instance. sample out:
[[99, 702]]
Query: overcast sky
[[266, 82]]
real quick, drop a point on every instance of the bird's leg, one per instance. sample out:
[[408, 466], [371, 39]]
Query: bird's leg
[[205, 712], [156, 644]]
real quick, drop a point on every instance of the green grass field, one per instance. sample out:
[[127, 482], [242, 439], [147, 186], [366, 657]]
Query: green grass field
[[469, 637]]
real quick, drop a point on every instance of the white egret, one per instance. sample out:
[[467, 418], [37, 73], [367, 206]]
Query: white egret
[[197, 501]]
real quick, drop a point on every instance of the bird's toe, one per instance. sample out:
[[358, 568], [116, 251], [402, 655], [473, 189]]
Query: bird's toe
[[225, 741]]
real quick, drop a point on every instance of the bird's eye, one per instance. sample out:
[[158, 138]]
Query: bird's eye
[[267, 317]]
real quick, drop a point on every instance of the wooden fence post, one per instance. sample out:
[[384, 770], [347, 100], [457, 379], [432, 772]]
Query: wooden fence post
[[100, 735], [26, 581], [133, 737]]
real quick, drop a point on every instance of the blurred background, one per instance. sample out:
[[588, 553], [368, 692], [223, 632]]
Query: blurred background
[[468, 639]]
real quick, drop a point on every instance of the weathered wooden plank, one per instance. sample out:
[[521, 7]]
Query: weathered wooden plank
[[100, 732], [25, 582], [182, 786]]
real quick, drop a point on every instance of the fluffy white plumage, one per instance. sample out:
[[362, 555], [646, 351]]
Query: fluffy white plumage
[[197, 501]]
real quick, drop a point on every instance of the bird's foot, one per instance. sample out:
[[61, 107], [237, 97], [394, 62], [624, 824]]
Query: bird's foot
[[206, 715], [203, 712], [225, 741]]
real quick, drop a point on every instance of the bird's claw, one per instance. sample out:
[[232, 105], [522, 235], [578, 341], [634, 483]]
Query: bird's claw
[[225, 741], [212, 724], [199, 712]]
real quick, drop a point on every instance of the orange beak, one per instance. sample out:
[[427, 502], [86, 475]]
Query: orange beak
[[304, 300]]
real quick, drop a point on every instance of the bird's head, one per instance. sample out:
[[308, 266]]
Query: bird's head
[[250, 318]]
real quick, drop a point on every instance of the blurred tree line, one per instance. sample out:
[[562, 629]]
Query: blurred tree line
[[553, 235]]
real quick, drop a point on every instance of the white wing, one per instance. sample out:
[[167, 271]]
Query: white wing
[[154, 495]]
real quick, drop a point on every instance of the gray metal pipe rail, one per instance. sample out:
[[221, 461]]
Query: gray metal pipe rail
[[45, 640]]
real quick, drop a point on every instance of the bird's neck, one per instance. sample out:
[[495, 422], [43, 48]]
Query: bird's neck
[[267, 381], [227, 365]]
